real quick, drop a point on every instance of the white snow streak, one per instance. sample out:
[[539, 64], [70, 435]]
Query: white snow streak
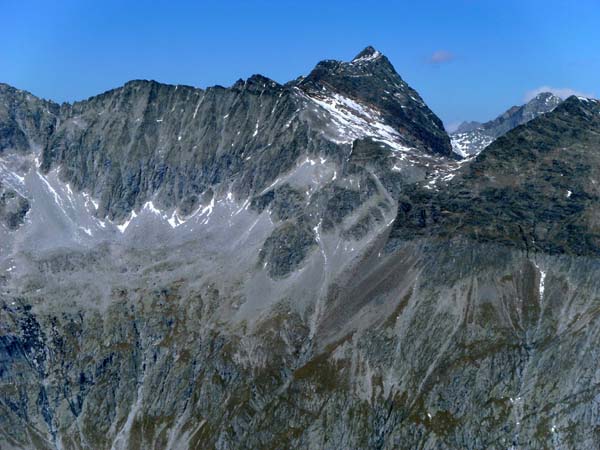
[[356, 121], [125, 224]]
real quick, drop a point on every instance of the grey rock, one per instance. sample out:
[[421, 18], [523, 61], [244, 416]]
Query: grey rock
[[286, 248], [13, 208], [25, 120]]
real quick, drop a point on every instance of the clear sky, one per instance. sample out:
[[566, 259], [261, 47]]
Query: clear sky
[[469, 59]]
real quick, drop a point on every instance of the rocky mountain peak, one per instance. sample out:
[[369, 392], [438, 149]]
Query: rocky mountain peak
[[540, 104], [546, 97], [372, 81], [368, 63], [368, 54]]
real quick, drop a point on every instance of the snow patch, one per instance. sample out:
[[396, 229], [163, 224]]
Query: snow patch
[[174, 220], [208, 209], [354, 120], [373, 56], [542, 283], [470, 144], [89, 199], [50, 189], [149, 206], [125, 224]]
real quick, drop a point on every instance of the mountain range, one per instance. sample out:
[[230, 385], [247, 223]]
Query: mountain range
[[315, 264]]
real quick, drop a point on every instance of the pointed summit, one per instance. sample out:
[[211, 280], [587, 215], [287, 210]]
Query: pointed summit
[[368, 54], [545, 100], [370, 80]]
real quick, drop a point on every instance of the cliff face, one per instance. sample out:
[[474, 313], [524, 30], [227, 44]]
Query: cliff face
[[25, 121], [295, 266]]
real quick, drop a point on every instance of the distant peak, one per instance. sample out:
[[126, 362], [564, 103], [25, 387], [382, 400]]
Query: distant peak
[[368, 54], [545, 97]]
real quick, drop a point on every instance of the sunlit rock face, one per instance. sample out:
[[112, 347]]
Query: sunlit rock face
[[306, 265]]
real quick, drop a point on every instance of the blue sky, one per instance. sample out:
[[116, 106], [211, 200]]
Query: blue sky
[[469, 59]]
